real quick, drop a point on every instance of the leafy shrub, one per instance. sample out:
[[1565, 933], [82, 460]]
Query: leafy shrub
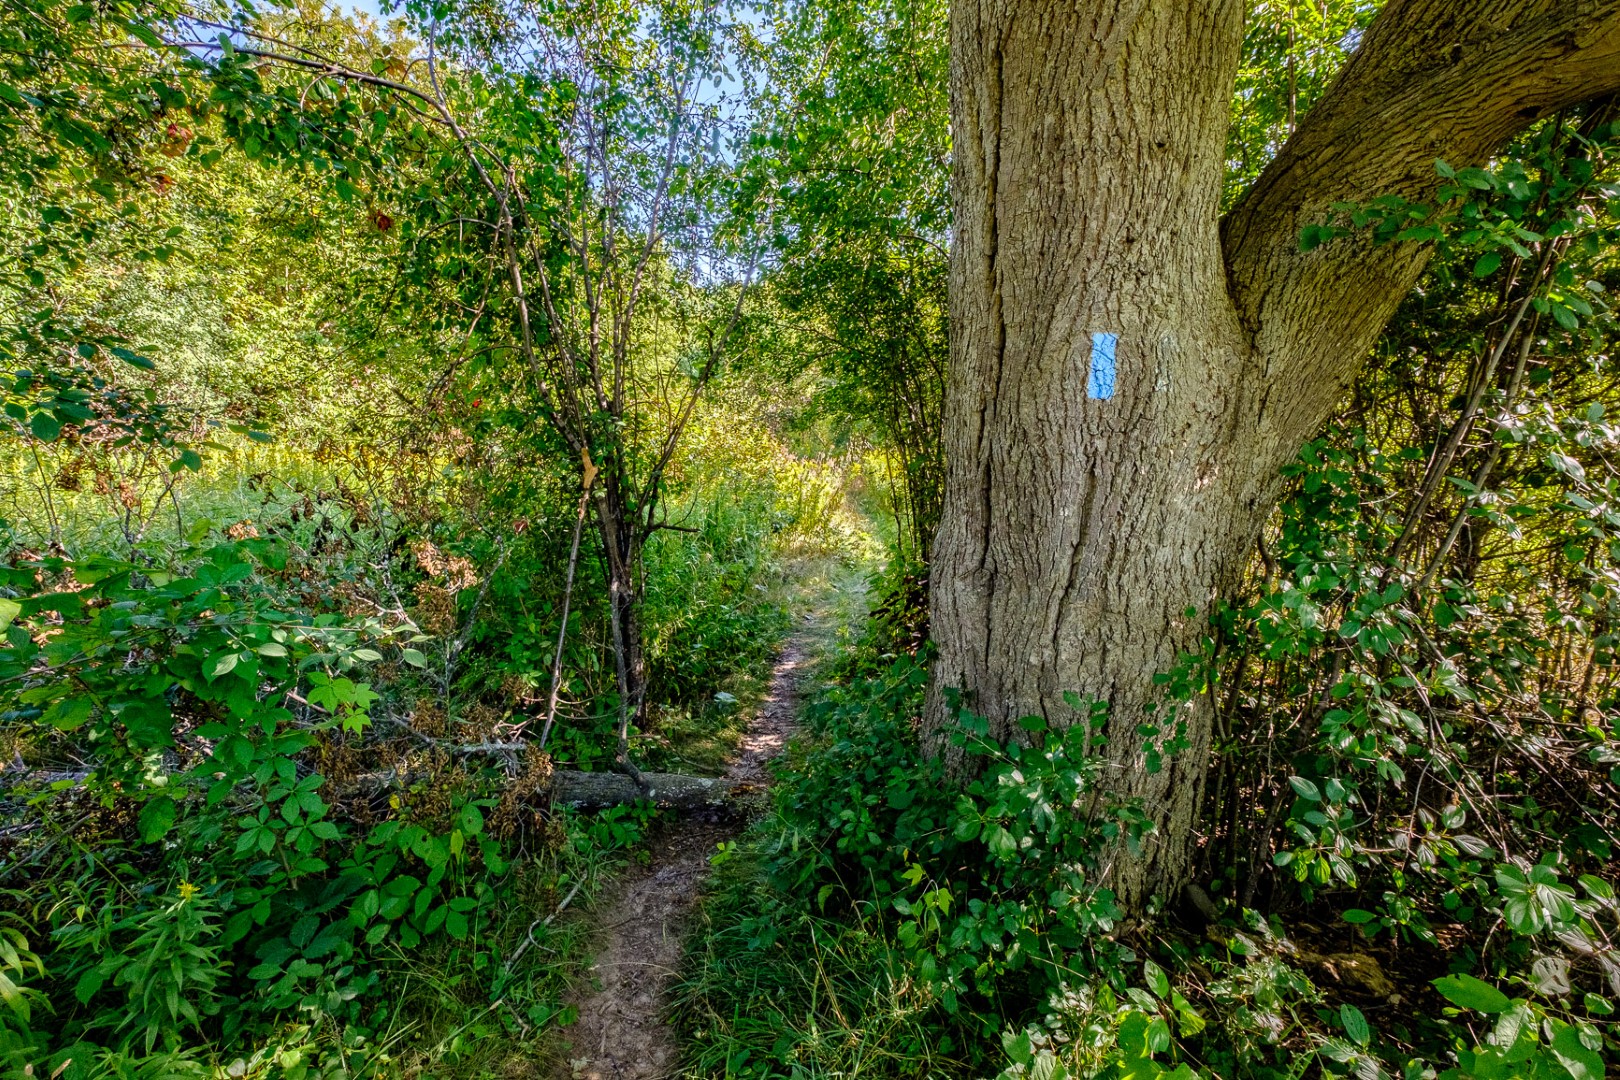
[[981, 899]]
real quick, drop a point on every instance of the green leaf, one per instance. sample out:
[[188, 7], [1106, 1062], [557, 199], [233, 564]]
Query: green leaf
[[144, 35], [88, 985], [1355, 1024], [1358, 916], [1307, 790], [157, 818], [1157, 980], [132, 358], [45, 426], [69, 713], [222, 664], [9, 610], [1467, 992], [1000, 842], [1018, 1047], [1572, 1054], [413, 657], [1488, 264]]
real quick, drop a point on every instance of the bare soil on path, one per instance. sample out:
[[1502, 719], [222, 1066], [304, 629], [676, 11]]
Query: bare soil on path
[[621, 1033]]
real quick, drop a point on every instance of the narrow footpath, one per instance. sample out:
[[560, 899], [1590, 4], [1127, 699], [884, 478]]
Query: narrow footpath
[[621, 1033]]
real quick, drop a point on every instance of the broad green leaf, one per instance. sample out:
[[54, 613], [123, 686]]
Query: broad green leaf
[[1467, 992], [1355, 1024], [1307, 790], [1572, 1054], [1157, 980], [157, 818], [44, 426], [221, 664]]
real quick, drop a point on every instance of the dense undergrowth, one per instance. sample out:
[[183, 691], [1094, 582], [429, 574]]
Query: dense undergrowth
[[310, 578], [884, 922], [273, 806]]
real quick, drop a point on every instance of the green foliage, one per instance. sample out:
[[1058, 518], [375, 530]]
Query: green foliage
[[1292, 49], [1524, 1039], [850, 151], [160, 962], [988, 897]]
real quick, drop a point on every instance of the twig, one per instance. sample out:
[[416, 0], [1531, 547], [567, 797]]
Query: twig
[[528, 935]]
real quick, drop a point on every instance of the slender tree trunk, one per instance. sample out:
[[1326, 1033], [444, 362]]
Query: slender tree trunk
[[621, 548], [1128, 373]]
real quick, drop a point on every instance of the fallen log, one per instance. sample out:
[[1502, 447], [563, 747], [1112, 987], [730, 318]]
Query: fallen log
[[569, 787], [596, 790]]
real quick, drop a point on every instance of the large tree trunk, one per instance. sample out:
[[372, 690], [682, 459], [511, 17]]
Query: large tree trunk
[[1080, 527]]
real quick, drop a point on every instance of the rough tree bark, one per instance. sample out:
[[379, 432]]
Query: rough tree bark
[[1090, 139]]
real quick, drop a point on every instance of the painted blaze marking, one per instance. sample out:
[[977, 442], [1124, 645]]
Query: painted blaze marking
[[1100, 387]]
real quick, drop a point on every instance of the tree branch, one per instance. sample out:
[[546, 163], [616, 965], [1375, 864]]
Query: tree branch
[[1434, 79]]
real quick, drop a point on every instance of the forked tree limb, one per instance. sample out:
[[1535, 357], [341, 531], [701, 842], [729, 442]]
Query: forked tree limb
[[1128, 376], [1434, 79]]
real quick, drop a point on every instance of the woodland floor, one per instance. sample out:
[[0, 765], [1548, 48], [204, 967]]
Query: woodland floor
[[621, 1033]]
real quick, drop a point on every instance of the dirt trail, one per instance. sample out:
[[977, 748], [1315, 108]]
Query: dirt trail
[[621, 1033]]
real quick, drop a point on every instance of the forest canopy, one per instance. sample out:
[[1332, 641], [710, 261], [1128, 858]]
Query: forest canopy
[[1144, 472]]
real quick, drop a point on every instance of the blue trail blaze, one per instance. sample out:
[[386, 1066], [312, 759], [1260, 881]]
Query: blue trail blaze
[[1101, 385]]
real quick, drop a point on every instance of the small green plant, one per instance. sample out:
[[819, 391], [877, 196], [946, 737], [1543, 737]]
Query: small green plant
[[163, 965], [1525, 1038]]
